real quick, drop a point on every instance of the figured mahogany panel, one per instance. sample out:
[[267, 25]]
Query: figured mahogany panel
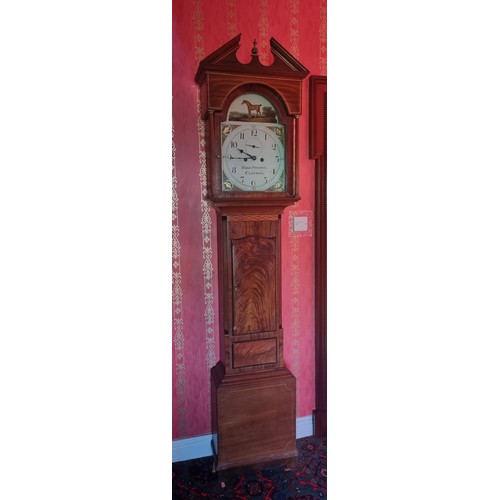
[[254, 284], [255, 352], [250, 270]]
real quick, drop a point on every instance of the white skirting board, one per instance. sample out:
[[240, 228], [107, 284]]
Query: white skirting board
[[199, 446]]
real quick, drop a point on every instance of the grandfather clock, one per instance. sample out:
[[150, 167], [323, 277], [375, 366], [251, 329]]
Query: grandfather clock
[[252, 114]]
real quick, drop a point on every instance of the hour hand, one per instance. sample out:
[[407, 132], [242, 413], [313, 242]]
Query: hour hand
[[242, 151], [248, 154]]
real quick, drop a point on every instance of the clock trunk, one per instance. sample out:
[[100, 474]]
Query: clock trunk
[[251, 288]]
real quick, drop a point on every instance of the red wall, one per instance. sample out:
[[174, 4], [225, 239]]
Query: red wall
[[200, 27]]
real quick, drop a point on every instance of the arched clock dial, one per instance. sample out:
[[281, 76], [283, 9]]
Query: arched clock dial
[[253, 157]]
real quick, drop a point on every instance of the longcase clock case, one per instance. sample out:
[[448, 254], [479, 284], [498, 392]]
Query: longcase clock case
[[253, 392]]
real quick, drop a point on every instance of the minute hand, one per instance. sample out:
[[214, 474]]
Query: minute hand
[[245, 153]]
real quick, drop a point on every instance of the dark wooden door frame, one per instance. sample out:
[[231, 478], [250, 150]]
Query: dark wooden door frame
[[317, 144]]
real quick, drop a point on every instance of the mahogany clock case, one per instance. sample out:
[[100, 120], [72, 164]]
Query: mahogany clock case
[[253, 393]]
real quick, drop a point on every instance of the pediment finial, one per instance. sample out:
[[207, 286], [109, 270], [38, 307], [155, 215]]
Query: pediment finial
[[255, 52]]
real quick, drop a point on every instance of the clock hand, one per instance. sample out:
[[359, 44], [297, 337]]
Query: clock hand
[[245, 153]]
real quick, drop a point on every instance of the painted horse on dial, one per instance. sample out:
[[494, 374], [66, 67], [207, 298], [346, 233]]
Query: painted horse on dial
[[252, 107]]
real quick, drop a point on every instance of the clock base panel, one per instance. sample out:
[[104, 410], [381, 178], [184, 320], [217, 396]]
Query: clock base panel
[[253, 418]]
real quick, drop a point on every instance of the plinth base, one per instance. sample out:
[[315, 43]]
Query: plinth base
[[253, 417]]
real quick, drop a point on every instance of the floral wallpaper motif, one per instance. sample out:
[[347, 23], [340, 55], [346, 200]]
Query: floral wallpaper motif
[[264, 31], [177, 330]]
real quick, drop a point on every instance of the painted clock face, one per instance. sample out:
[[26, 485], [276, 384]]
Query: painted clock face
[[253, 158], [253, 152]]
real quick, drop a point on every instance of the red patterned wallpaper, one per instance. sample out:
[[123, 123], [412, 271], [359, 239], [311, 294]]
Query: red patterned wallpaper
[[199, 27]]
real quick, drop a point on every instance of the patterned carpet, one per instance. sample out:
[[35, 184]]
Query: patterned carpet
[[195, 479]]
